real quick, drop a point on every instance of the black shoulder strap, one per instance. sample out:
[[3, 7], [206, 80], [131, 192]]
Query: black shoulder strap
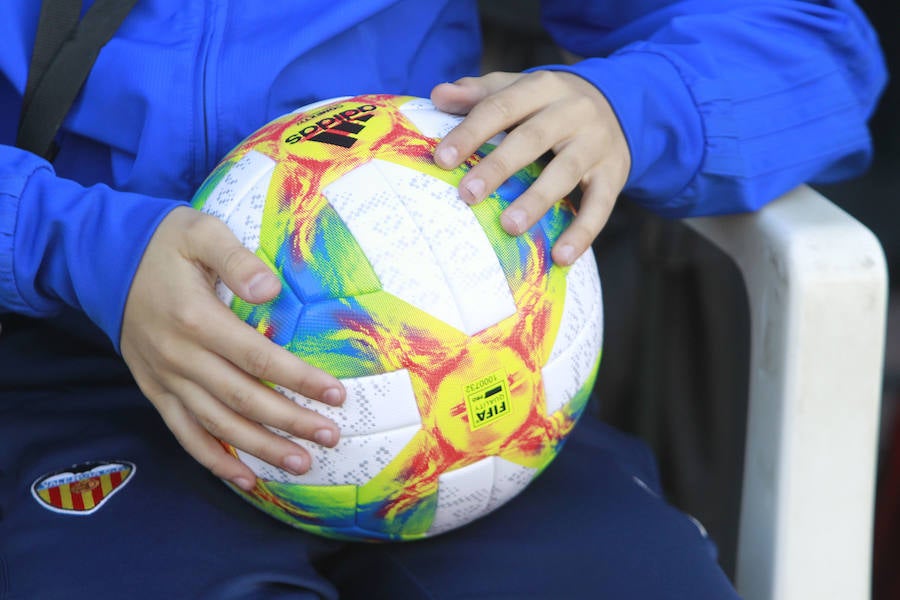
[[64, 53]]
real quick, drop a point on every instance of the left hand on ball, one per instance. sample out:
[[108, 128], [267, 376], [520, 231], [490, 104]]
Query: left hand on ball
[[543, 110]]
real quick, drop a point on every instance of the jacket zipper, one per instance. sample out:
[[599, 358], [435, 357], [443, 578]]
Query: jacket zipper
[[210, 34]]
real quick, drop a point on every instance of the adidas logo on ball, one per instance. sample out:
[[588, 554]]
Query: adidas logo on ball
[[337, 128]]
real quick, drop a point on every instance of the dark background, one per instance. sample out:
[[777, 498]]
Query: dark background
[[673, 302]]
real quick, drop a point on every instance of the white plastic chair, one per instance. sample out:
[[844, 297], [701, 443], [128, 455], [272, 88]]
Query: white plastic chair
[[817, 284]]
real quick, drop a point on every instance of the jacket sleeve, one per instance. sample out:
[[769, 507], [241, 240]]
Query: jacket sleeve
[[64, 244], [726, 105]]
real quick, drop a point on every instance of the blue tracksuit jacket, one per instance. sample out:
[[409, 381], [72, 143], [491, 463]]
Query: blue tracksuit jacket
[[725, 105]]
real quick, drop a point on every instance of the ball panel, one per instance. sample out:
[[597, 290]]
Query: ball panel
[[475, 490], [573, 369], [427, 120], [395, 246], [525, 259], [582, 304], [239, 197], [392, 514], [211, 182], [463, 495], [465, 261], [374, 404], [306, 260], [319, 508], [370, 334], [569, 413], [509, 479], [306, 108], [224, 293]]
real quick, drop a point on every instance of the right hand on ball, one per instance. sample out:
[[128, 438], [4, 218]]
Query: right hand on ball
[[201, 366]]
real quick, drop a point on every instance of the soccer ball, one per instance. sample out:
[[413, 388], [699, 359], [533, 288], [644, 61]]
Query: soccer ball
[[467, 355]]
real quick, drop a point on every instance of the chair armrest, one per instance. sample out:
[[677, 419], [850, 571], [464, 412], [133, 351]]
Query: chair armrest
[[817, 285]]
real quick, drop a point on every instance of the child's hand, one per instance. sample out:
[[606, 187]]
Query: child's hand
[[200, 365], [543, 110]]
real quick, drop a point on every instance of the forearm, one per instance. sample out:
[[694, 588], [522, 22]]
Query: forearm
[[726, 107], [64, 244]]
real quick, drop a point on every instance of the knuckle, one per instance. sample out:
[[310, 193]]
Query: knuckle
[[215, 428], [189, 319], [545, 75], [529, 135], [498, 166], [605, 190], [220, 465], [583, 105], [259, 362], [463, 135], [595, 180], [168, 358], [621, 165], [499, 106], [197, 224], [570, 169], [583, 233], [298, 424], [201, 226], [269, 448], [492, 77], [543, 78], [241, 400], [541, 196], [232, 259]]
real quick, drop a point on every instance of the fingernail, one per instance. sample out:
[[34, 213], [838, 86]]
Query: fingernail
[[565, 254], [295, 463], [243, 483], [332, 396], [324, 437], [514, 221], [475, 189], [263, 285], [446, 156]]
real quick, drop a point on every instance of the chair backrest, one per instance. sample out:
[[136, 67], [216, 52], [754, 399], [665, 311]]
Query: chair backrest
[[817, 285]]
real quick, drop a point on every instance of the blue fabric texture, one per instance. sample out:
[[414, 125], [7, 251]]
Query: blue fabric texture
[[724, 106], [593, 525]]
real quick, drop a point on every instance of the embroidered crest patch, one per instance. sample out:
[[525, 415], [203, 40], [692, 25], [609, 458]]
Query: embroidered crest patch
[[82, 489]]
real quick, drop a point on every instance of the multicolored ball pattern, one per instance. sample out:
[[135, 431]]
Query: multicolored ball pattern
[[467, 354]]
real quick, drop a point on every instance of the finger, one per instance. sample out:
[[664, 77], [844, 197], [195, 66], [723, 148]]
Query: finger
[[200, 444], [227, 336], [497, 112], [549, 128], [224, 424], [259, 403], [558, 179], [599, 197], [215, 246], [460, 96]]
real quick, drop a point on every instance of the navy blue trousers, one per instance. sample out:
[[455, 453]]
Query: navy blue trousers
[[593, 525]]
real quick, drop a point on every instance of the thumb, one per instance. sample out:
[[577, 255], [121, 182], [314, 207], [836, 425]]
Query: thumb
[[241, 270]]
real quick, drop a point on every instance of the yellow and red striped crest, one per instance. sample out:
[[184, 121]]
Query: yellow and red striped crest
[[82, 489]]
